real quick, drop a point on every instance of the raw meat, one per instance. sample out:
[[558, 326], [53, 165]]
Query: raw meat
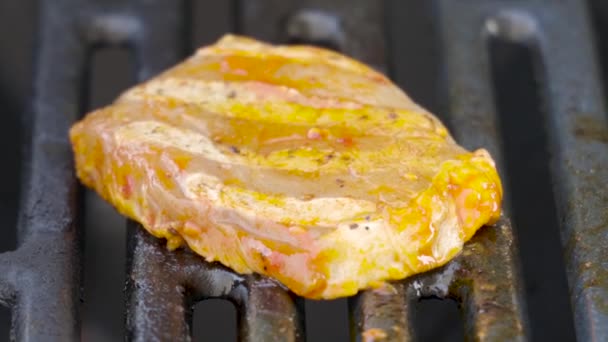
[[290, 161]]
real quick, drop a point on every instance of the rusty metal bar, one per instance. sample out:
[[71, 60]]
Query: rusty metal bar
[[487, 283], [269, 313], [384, 312]]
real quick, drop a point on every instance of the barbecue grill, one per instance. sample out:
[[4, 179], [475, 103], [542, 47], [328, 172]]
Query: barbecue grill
[[550, 42]]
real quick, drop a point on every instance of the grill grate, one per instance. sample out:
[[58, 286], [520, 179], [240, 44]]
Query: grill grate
[[574, 104], [40, 280]]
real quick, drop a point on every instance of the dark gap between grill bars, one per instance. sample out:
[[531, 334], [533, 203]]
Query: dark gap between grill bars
[[14, 82], [15, 63], [322, 43], [529, 184], [209, 20], [214, 320], [11, 137], [110, 72], [10, 148], [418, 74], [599, 14], [431, 313], [327, 320], [5, 322]]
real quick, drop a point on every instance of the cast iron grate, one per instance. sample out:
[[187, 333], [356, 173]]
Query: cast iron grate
[[40, 281]]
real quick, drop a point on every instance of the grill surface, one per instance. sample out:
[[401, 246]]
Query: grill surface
[[40, 281]]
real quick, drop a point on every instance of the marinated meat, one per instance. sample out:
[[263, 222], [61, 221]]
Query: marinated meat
[[290, 161]]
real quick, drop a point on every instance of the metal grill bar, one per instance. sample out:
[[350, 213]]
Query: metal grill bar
[[352, 27], [180, 278], [485, 280], [386, 310], [41, 278]]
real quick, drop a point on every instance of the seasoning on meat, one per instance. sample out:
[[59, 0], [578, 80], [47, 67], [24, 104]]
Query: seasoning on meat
[[290, 161]]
